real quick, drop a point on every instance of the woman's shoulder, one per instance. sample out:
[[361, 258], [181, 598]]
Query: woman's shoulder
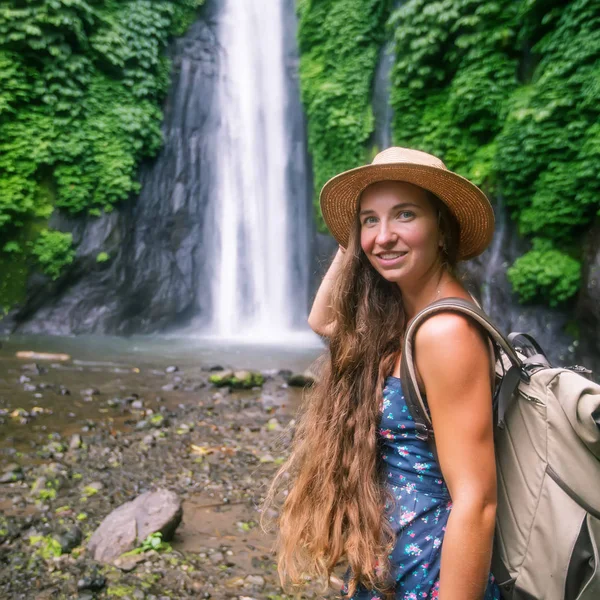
[[448, 338]]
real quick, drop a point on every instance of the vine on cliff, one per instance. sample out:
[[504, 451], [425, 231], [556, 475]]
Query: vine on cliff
[[507, 93], [81, 82], [339, 45]]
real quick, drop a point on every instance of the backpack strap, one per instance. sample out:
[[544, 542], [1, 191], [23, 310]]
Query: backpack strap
[[530, 348], [412, 394]]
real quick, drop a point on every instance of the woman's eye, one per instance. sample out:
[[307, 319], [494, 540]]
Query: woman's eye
[[370, 220], [406, 214]]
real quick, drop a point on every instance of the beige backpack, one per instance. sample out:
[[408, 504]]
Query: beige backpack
[[547, 439]]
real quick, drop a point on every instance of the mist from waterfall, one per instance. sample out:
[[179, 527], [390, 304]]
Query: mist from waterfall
[[254, 244]]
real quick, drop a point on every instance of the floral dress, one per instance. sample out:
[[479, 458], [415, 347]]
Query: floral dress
[[421, 508]]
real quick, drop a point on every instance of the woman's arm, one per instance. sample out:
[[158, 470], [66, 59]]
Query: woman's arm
[[454, 362], [321, 319]]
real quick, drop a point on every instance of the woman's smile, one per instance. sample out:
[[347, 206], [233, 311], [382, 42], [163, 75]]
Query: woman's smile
[[389, 259]]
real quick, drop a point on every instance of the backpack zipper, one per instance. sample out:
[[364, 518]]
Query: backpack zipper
[[573, 495]]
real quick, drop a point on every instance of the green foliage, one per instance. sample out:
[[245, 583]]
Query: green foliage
[[47, 547], [53, 251], [507, 94], [339, 45], [545, 274], [102, 257], [154, 541], [81, 82]]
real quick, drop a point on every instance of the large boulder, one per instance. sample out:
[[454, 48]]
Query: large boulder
[[128, 526]]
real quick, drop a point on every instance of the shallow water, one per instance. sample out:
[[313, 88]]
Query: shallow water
[[118, 368]]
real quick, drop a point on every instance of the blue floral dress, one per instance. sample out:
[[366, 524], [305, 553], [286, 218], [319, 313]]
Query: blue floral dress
[[421, 508]]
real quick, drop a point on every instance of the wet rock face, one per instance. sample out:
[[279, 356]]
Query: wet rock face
[[129, 525], [486, 278], [154, 242], [588, 307]]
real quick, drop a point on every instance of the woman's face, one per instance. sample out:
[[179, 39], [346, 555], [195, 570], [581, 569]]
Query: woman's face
[[399, 231]]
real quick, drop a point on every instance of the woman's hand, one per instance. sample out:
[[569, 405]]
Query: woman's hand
[[453, 360], [321, 319]]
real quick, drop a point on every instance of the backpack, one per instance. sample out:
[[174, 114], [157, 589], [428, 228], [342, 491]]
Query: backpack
[[547, 444]]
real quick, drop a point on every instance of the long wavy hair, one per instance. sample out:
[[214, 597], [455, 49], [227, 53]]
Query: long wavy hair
[[335, 497]]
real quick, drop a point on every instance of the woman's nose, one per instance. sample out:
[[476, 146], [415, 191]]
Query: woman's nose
[[385, 235]]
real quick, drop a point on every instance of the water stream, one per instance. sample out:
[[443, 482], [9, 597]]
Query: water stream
[[251, 238]]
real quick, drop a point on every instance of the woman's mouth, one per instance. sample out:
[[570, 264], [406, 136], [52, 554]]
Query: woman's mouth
[[390, 259]]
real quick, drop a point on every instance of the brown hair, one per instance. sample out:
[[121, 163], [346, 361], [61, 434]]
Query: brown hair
[[336, 498]]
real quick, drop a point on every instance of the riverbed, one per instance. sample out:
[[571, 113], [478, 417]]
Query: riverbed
[[123, 416]]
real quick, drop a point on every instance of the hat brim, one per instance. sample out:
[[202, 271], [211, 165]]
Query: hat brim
[[473, 211]]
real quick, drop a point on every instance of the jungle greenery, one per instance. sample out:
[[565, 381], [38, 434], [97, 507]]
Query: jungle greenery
[[339, 44], [81, 84], [507, 92]]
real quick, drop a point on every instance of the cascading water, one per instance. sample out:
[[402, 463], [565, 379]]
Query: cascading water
[[255, 250], [382, 108], [496, 264]]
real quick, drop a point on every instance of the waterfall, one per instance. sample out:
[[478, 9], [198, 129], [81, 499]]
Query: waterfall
[[256, 235], [495, 264], [382, 109]]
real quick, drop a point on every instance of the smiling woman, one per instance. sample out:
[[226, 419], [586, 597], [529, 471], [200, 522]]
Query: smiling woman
[[410, 525]]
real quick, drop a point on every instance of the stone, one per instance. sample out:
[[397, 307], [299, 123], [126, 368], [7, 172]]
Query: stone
[[273, 425], [90, 392], [10, 477], [94, 488], [69, 539], [129, 562], [38, 485], [95, 581], [242, 379], [157, 421], [128, 526], [305, 379], [255, 581], [75, 442], [221, 378], [137, 404], [172, 369], [216, 558]]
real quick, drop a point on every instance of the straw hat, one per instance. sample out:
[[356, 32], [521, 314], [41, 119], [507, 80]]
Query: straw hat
[[470, 206]]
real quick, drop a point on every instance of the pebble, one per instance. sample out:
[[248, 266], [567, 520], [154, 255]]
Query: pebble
[[75, 442], [90, 392], [255, 581], [95, 581]]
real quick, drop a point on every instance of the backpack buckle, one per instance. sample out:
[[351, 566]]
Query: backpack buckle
[[422, 431], [524, 375]]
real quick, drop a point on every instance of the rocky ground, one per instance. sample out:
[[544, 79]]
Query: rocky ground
[[84, 440]]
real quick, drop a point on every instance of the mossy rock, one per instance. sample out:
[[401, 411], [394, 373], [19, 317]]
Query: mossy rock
[[221, 378], [305, 379], [240, 380], [246, 380]]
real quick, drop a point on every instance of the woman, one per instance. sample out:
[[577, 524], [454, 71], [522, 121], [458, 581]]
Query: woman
[[363, 487]]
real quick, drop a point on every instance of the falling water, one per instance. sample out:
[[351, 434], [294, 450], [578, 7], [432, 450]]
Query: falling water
[[253, 237], [382, 108], [495, 263]]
